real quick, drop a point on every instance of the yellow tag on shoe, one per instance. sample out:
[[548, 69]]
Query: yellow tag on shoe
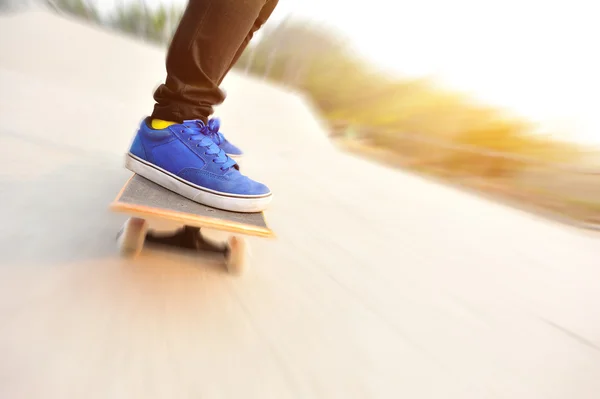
[[159, 124]]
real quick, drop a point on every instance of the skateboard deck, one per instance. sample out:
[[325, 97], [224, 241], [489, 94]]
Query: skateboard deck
[[144, 200]]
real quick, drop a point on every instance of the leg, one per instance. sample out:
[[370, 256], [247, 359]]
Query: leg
[[210, 38], [181, 151], [263, 16]]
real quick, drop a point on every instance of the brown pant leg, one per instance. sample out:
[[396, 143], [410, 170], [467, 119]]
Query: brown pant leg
[[264, 15], [210, 38]]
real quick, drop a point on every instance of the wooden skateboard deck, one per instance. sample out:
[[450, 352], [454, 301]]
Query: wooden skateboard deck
[[143, 200]]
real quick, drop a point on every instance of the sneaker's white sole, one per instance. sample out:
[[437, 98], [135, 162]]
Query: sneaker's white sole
[[215, 199]]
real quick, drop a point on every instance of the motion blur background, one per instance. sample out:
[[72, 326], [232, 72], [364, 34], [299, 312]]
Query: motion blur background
[[496, 96], [442, 245]]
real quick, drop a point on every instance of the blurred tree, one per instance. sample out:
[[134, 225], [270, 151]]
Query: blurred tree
[[153, 25], [80, 8], [130, 18], [135, 18]]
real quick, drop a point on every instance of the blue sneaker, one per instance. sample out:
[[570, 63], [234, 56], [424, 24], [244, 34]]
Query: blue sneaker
[[212, 130], [184, 160]]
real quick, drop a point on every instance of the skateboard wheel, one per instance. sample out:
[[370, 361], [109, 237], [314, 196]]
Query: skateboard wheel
[[236, 255], [130, 239]]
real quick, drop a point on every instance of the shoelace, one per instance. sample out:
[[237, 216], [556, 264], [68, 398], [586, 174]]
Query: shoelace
[[202, 140], [211, 129]]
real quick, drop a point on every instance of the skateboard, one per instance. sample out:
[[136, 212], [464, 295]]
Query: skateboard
[[144, 200]]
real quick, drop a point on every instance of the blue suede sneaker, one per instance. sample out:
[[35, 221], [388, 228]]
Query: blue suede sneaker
[[183, 159], [212, 130]]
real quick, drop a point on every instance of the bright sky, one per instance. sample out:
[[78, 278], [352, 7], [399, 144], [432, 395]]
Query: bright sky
[[534, 57]]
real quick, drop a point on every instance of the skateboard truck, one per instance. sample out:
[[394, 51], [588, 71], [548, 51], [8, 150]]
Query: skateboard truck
[[187, 237], [135, 232]]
